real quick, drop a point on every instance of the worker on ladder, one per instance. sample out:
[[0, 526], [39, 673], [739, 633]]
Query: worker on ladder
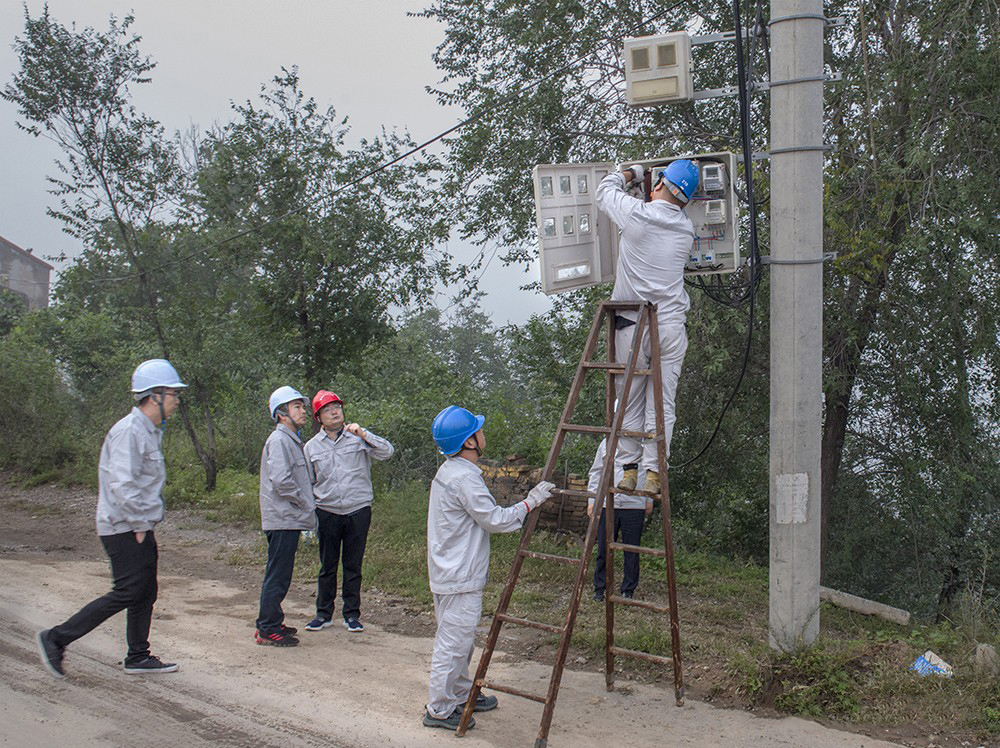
[[460, 517], [654, 249]]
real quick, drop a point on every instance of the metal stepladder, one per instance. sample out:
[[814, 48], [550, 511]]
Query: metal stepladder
[[646, 324]]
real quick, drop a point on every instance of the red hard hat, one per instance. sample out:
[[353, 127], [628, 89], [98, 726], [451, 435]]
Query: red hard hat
[[323, 397]]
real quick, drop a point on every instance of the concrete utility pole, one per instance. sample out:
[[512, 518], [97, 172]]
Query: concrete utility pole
[[796, 319]]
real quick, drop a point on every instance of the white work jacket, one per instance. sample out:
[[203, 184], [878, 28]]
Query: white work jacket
[[342, 467], [654, 249], [460, 517], [286, 497], [622, 500], [130, 477]]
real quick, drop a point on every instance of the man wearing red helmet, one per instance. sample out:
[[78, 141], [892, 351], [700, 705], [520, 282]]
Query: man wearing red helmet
[[341, 460]]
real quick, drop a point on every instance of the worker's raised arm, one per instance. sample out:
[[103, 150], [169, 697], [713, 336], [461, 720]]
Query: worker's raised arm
[[614, 200]]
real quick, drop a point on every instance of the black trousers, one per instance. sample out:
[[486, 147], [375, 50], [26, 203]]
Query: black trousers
[[628, 527], [342, 538], [133, 567], [281, 548]]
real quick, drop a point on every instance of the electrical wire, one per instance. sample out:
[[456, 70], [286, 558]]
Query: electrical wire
[[754, 269], [509, 98]]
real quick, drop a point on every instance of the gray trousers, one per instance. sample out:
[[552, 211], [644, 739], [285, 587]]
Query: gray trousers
[[640, 413], [457, 618]]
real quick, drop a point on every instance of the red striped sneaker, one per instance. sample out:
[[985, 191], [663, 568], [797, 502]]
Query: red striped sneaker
[[276, 639]]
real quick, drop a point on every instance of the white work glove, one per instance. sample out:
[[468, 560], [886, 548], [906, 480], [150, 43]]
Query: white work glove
[[539, 494], [638, 171]]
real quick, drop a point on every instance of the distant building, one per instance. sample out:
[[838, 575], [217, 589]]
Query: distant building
[[24, 274]]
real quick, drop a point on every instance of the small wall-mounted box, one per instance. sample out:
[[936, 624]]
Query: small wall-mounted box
[[658, 69]]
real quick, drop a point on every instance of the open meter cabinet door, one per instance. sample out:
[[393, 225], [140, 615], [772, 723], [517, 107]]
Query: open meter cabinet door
[[578, 245]]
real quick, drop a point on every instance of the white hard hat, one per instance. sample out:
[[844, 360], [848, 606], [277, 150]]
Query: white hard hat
[[284, 395], [157, 372]]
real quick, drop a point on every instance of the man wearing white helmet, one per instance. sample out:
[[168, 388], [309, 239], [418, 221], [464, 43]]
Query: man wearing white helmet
[[654, 250], [287, 508], [129, 506]]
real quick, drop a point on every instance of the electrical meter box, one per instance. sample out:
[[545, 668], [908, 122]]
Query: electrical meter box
[[578, 244], [658, 69]]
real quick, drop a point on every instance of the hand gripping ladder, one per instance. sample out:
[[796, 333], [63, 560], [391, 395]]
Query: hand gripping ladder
[[646, 324]]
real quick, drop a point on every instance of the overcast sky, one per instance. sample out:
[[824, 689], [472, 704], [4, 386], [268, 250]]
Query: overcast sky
[[367, 59]]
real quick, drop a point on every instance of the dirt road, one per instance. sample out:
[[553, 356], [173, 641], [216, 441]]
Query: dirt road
[[337, 689]]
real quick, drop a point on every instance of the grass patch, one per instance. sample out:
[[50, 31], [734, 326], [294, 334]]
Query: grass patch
[[236, 498]]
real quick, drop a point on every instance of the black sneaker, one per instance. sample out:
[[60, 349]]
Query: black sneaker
[[290, 630], [448, 723], [484, 703], [628, 595], [354, 625], [598, 596], [318, 624], [276, 639], [51, 654], [151, 664]]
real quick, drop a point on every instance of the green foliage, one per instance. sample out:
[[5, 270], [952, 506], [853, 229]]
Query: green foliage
[[12, 309], [235, 498], [396, 554], [818, 683], [325, 265], [36, 410]]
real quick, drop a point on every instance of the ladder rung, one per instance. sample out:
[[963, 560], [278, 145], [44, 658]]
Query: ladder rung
[[635, 492], [617, 600], [614, 368], [584, 429], [483, 683], [659, 552], [530, 624], [632, 305], [641, 434], [572, 492], [642, 656], [550, 557]]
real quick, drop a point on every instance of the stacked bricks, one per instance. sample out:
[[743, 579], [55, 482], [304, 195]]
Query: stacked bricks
[[510, 480]]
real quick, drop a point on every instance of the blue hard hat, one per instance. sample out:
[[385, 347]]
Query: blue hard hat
[[681, 177], [452, 426]]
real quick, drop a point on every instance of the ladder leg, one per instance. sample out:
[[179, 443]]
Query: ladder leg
[[588, 549], [668, 544], [609, 608]]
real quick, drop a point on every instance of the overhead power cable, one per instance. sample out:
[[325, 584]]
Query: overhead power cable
[[754, 267], [503, 101]]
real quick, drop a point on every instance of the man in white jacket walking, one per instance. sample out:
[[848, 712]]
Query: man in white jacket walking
[[654, 249], [460, 517], [129, 506]]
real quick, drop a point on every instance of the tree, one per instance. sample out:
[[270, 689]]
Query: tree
[[119, 174], [327, 259], [12, 308], [915, 136]]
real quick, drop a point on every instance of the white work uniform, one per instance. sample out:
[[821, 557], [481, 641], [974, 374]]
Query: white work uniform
[[342, 465], [622, 500], [654, 249], [460, 517]]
